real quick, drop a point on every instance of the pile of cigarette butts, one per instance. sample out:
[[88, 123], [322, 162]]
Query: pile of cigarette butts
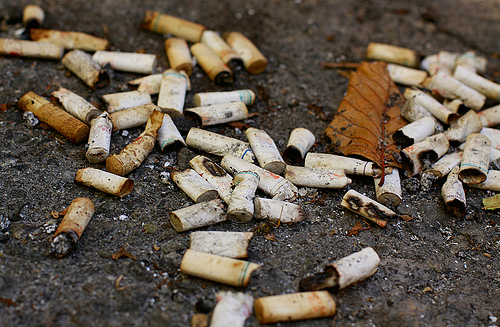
[[228, 190]]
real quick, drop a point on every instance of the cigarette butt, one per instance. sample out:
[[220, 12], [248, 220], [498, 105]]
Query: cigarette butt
[[166, 24], [82, 65], [471, 62], [178, 54], [149, 84], [226, 244], [389, 193], [265, 150], [69, 40], [219, 113], [33, 16], [490, 117], [494, 136], [99, 139], [241, 206], [195, 186], [368, 208], [444, 165], [215, 42], [168, 135], [134, 154], [124, 100], [253, 59], [199, 215], [172, 93], [415, 132], [71, 228], [104, 181], [490, 89], [465, 125], [210, 98], [278, 212], [216, 268], [442, 61], [476, 159], [350, 166], [453, 193], [491, 183], [212, 65], [232, 309], [132, 117], [392, 54], [295, 306], [453, 105], [21, 48], [300, 141], [431, 148], [318, 178], [140, 63], [406, 76], [413, 111], [69, 126], [438, 110], [214, 174], [76, 105]]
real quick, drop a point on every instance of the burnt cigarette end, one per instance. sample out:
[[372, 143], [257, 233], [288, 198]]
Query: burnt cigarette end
[[224, 78], [214, 169], [62, 244], [292, 156], [103, 79], [235, 64], [327, 279], [457, 207], [402, 139]]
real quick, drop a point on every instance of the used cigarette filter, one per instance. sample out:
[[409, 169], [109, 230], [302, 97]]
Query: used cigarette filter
[[217, 177], [76, 105], [453, 105], [226, 244], [368, 208], [431, 148], [350, 166], [195, 186], [220, 113], [140, 63], [172, 93], [265, 150], [465, 125], [471, 62], [416, 131], [295, 306], [134, 154], [212, 65], [406, 76], [21, 48], [199, 215], [33, 16], [274, 185], [476, 159], [215, 42], [132, 117], [253, 59], [241, 206], [149, 84], [491, 183], [210, 98], [444, 61], [232, 309], [490, 89], [99, 139], [82, 65], [413, 111], [389, 193], [69, 126], [178, 54], [69, 40], [300, 141], [277, 211], [444, 165], [453, 193], [105, 181], [168, 135], [166, 24], [494, 136], [344, 272], [124, 100], [71, 228], [433, 106], [318, 178], [391, 53], [216, 268], [490, 117], [218, 144]]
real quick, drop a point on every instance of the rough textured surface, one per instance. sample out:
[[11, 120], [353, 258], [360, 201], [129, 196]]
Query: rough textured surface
[[435, 270]]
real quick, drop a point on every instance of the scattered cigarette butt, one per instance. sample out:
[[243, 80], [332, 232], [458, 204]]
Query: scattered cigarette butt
[[172, 93], [22, 48], [219, 113], [33, 16], [413, 111], [318, 178], [453, 193], [226, 244], [494, 136], [277, 211], [490, 89], [166, 24], [212, 65], [76, 105], [124, 100], [82, 65], [132, 117], [241, 206], [168, 135], [149, 84], [300, 142], [443, 166], [99, 139], [392, 54], [416, 131], [490, 117], [232, 309], [210, 98], [215, 175], [475, 159], [140, 63], [465, 125], [491, 183], [431, 148], [368, 208], [350, 166], [438, 110], [199, 215], [265, 150], [69, 40], [178, 54], [390, 192], [215, 42], [406, 76], [105, 181], [470, 62], [253, 59], [195, 186], [444, 61]]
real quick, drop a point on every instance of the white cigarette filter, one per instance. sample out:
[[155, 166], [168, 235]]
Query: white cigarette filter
[[453, 105], [214, 174], [368, 208], [226, 244], [219, 113], [132, 117], [82, 65], [295, 306], [168, 135], [216, 268], [178, 54], [105, 181], [274, 185], [413, 111], [406, 76], [150, 84], [76, 105], [444, 61], [431, 148], [490, 89], [278, 212], [210, 98], [318, 178], [300, 142], [444, 165], [21, 48], [392, 54], [195, 186], [253, 59], [33, 16], [265, 150], [471, 62], [124, 100], [140, 63], [212, 65], [494, 136], [453, 193], [389, 193], [232, 309], [465, 125], [69, 40], [166, 24], [490, 117], [350, 166], [172, 93], [218, 144], [448, 87], [215, 42], [198, 215], [438, 110], [99, 139], [416, 131], [491, 183], [241, 206], [476, 159]]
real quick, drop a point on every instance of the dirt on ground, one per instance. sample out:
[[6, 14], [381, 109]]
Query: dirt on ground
[[435, 270]]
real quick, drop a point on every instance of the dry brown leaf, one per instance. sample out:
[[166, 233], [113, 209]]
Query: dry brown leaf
[[356, 229], [123, 253]]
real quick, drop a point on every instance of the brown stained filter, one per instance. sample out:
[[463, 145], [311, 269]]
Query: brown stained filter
[[166, 24], [69, 126], [178, 54], [212, 65], [105, 181], [253, 59], [70, 40]]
